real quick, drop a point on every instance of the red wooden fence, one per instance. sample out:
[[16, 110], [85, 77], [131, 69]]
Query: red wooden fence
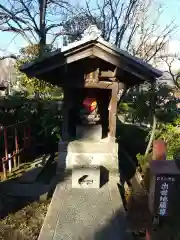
[[15, 139]]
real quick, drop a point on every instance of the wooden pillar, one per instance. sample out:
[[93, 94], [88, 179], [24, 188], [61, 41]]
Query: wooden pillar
[[66, 107], [159, 152], [113, 111]]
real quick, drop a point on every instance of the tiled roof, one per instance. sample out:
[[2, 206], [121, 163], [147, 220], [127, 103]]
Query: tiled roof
[[92, 34]]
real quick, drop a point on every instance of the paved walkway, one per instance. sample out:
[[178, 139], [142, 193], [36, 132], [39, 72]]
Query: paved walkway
[[85, 214]]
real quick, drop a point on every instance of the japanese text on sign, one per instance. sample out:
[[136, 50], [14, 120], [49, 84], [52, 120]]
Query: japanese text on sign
[[164, 188], [169, 179], [163, 199]]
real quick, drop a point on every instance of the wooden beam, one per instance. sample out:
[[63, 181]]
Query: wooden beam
[[113, 111], [106, 74], [113, 78], [65, 110], [37, 73], [115, 71], [66, 59], [104, 55], [119, 61], [133, 73], [92, 76], [90, 84], [79, 55], [100, 84], [78, 49], [133, 63]]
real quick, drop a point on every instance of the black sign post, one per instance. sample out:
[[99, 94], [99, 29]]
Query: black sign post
[[164, 192]]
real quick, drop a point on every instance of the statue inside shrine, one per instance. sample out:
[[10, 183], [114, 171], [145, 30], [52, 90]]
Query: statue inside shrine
[[89, 112]]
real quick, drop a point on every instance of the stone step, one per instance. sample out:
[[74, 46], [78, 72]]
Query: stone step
[[89, 132], [31, 175], [85, 177], [28, 190], [86, 214], [88, 147], [39, 162], [34, 171]]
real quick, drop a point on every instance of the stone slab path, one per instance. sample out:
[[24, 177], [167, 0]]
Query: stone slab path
[[85, 214]]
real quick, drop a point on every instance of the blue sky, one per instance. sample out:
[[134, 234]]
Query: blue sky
[[171, 10], [11, 44]]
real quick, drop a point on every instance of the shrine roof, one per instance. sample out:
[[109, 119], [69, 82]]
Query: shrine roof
[[92, 36], [114, 48]]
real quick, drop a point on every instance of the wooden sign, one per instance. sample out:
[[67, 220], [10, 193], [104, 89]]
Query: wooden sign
[[163, 194], [159, 150], [165, 190]]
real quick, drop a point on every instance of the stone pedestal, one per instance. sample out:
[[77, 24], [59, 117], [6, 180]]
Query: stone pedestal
[[89, 133], [86, 177], [89, 154], [92, 214]]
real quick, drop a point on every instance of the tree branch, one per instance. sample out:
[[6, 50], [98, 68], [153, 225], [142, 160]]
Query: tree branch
[[30, 16]]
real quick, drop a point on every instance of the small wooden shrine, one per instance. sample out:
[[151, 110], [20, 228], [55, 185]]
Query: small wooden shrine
[[91, 66]]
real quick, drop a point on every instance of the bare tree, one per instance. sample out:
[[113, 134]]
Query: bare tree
[[74, 27], [174, 73], [127, 24], [132, 25], [36, 20]]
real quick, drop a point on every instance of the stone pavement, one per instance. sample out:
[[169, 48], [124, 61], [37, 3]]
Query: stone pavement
[[85, 214]]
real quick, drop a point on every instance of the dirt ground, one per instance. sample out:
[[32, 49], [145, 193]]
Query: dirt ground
[[138, 214], [24, 224], [21, 218]]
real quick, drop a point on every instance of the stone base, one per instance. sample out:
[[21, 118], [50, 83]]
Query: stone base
[[86, 177], [89, 154], [89, 132], [91, 214]]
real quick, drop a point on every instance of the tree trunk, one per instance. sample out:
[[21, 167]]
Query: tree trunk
[[154, 119], [152, 135], [42, 10]]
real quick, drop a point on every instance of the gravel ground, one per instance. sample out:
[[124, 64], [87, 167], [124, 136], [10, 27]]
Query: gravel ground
[[22, 218], [24, 224]]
